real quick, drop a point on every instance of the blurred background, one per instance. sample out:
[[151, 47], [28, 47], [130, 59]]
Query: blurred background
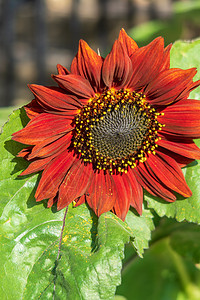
[[35, 35]]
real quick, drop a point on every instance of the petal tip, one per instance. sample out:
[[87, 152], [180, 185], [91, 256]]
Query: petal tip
[[33, 87]]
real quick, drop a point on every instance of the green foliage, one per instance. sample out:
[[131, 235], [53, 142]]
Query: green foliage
[[161, 275], [141, 229], [186, 242], [167, 269], [89, 261]]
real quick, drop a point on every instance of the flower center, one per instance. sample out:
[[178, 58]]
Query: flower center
[[121, 132], [116, 130]]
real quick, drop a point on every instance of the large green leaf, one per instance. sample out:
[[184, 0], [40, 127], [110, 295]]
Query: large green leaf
[[4, 112], [27, 229], [184, 55], [87, 263]]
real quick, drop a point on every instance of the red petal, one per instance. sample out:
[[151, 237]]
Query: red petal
[[53, 98], [182, 119], [117, 67], [62, 70], [80, 201], [148, 180], [33, 109], [128, 43], [186, 148], [25, 152], [124, 195], [137, 192], [42, 144], [147, 62], [75, 183], [53, 175], [171, 85], [88, 64], [51, 146], [42, 126], [169, 172], [74, 66], [166, 58], [101, 192], [36, 166], [75, 84], [52, 200], [180, 159]]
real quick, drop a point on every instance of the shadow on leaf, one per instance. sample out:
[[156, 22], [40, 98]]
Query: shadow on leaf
[[93, 230], [14, 148]]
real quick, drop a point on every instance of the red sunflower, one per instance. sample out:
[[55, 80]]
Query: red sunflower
[[113, 127]]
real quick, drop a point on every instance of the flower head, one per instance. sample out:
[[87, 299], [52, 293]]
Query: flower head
[[113, 127]]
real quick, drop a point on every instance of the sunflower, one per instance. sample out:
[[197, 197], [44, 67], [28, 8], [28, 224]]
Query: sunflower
[[112, 127]]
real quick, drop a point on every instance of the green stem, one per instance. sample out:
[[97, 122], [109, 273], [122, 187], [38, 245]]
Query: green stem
[[191, 290]]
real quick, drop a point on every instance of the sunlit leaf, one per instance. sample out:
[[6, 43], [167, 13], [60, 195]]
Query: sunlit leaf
[[141, 227]]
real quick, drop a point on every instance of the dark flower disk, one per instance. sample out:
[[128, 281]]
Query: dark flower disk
[[112, 127]]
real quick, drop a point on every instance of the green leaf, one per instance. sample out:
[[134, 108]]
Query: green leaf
[[120, 298], [27, 228], [184, 55], [4, 112], [87, 263], [141, 229]]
